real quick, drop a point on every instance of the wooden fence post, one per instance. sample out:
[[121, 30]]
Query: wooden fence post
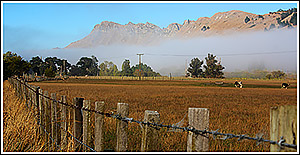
[[58, 124], [78, 130], [198, 119], [283, 122], [122, 127], [41, 112], [33, 103], [86, 124], [26, 95], [36, 107], [53, 120], [29, 97], [37, 98], [47, 119], [150, 135], [64, 140], [99, 123]]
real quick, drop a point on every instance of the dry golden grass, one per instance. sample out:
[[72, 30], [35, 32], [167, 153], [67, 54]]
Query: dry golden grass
[[232, 110], [19, 125]]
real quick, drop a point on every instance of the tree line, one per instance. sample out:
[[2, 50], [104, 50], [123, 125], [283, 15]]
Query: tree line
[[14, 64], [53, 66], [88, 66]]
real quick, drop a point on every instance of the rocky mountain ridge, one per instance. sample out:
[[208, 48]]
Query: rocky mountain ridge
[[221, 23]]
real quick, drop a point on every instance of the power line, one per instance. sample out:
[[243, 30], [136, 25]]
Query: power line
[[231, 54], [125, 56]]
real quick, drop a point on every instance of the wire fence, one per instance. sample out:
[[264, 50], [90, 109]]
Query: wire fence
[[157, 126]]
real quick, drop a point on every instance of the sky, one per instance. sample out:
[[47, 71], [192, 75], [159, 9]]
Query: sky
[[32, 27]]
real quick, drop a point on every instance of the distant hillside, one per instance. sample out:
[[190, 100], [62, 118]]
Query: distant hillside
[[108, 32]]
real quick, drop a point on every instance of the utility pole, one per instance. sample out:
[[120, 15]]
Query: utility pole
[[185, 70], [64, 68], [140, 67]]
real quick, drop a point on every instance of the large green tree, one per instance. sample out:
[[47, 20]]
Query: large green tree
[[195, 68], [85, 66], [49, 72], [213, 68], [108, 68], [37, 65], [14, 65], [146, 71], [126, 70]]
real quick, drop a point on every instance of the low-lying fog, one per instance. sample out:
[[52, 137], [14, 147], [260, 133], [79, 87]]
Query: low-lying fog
[[270, 50]]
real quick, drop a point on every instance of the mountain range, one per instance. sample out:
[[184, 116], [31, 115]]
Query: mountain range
[[222, 23]]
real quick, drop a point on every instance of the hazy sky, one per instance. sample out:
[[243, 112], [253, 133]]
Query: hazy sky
[[31, 29]]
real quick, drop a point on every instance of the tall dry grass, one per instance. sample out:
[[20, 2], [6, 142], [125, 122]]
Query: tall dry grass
[[19, 125]]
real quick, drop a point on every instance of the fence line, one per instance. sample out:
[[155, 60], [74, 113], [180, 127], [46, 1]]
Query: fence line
[[49, 134], [190, 129]]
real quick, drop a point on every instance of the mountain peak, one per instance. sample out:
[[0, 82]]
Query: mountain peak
[[108, 32]]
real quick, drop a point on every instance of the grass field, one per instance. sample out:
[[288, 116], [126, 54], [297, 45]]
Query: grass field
[[231, 110]]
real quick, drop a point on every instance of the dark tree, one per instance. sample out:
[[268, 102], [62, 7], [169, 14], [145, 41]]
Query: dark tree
[[52, 62], [14, 65], [278, 74], [85, 66], [195, 69], [49, 72], [146, 71], [75, 71], [213, 68], [126, 70], [37, 65]]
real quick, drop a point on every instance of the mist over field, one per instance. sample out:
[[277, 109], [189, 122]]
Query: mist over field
[[271, 50]]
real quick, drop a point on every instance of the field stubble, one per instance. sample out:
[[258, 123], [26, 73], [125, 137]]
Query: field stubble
[[231, 110]]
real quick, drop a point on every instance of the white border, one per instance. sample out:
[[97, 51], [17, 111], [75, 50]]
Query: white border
[[148, 2]]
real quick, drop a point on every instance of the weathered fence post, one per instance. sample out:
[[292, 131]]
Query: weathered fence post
[[86, 124], [99, 120], [53, 120], [198, 119], [150, 135], [33, 98], [41, 112], [29, 103], [64, 141], [36, 109], [58, 124], [283, 122], [78, 130], [70, 125], [26, 95], [47, 119], [122, 127], [37, 100]]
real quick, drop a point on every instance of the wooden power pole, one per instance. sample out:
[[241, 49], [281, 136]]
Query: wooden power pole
[[140, 65]]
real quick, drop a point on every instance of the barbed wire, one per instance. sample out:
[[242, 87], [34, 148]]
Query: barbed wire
[[53, 141], [38, 121], [76, 138], [204, 132]]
